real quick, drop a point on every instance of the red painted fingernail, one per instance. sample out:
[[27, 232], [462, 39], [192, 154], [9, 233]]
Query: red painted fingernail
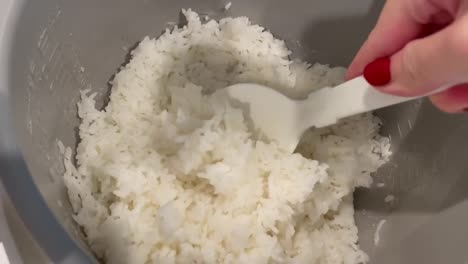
[[465, 110], [377, 73]]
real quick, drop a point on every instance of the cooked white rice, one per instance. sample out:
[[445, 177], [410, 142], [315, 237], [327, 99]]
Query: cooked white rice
[[167, 174]]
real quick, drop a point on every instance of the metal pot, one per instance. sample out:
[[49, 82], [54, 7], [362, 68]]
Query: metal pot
[[51, 49]]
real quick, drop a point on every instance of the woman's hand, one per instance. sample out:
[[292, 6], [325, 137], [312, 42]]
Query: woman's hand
[[416, 47]]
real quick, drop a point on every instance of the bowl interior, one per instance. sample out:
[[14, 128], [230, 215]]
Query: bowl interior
[[62, 47]]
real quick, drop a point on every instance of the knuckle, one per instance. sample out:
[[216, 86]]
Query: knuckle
[[459, 43], [411, 64]]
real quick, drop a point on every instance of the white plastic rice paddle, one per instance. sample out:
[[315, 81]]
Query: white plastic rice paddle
[[284, 120]]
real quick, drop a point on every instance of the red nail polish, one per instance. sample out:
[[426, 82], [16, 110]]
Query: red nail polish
[[377, 72], [465, 110]]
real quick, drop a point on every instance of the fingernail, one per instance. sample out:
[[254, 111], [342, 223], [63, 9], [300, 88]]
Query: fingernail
[[465, 110], [377, 73]]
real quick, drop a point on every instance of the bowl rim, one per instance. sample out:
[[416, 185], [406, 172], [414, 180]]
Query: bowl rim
[[48, 232]]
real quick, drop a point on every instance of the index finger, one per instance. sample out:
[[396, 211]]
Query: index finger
[[400, 22]]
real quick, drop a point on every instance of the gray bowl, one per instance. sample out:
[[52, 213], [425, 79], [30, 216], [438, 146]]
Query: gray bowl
[[52, 49]]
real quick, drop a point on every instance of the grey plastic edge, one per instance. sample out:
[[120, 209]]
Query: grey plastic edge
[[14, 174]]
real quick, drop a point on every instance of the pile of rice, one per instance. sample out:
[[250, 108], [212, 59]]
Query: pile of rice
[[169, 174]]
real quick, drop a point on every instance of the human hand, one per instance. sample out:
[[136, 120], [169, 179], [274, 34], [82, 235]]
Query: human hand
[[416, 47]]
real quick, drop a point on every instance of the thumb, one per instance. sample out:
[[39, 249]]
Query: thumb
[[423, 65]]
